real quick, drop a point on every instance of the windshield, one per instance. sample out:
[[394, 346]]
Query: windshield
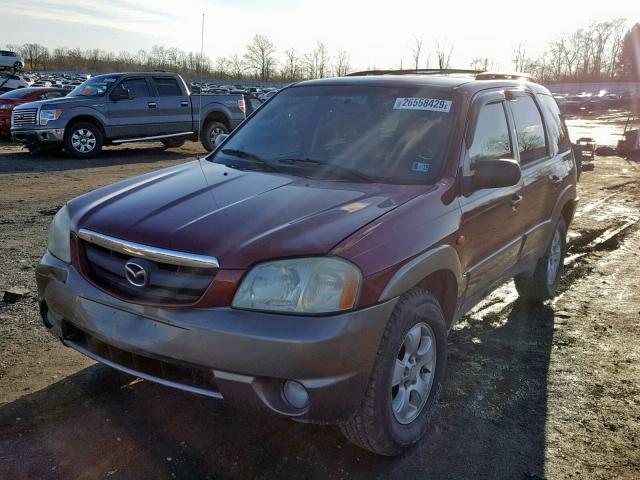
[[94, 87], [382, 134]]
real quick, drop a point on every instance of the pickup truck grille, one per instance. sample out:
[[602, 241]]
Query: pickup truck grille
[[164, 283], [24, 116]]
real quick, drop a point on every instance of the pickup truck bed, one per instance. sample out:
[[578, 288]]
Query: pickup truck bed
[[127, 107]]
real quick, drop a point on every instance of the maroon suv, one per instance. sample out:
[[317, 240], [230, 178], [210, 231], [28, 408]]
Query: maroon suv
[[313, 264], [9, 100]]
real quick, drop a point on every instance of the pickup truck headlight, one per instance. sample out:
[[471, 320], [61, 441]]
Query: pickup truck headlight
[[302, 285], [49, 115], [59, 236]]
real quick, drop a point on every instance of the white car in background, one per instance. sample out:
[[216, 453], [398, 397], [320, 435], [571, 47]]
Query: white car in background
[[11, 60], [10, 81]]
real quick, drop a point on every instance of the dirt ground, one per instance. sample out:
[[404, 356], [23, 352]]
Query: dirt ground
[[551, 391]]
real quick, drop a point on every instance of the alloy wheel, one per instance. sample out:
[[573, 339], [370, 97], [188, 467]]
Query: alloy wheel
[[83, 140]]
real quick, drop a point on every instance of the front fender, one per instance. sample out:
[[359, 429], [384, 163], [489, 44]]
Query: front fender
[[443, 257]]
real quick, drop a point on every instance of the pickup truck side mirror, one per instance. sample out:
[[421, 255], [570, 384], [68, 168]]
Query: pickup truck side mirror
[[494, 174], [219, 139], [119, 94]]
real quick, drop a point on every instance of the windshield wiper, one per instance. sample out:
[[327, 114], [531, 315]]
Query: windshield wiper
[[249, 156], [345, 172]]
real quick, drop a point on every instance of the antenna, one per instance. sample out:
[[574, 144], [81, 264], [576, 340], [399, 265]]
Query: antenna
[[201, 75]]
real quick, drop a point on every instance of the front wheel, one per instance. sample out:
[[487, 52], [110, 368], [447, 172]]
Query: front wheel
[[406, 380], [543, 283], [18, 65], [210, 132], [83, 140]]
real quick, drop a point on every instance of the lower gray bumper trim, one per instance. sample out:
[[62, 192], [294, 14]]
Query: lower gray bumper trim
[[151, 378]]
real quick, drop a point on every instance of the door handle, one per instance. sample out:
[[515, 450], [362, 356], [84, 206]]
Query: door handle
[[555, 180], [184, 104], [152, 104], [516, 199]]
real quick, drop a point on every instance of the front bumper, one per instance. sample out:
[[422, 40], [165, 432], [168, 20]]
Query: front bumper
[[40, 136], [248, 355]]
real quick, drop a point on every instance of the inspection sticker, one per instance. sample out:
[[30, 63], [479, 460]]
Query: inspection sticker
[[432, 104]]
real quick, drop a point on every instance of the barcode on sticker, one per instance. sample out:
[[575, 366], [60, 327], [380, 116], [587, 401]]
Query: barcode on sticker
[[432, 104]]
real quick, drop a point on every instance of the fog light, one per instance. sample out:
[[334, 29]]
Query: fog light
[[295, 394]]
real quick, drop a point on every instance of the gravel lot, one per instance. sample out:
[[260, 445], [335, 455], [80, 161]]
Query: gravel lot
[[533, 392]]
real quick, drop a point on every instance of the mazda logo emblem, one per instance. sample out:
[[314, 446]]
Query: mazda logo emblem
[[135, 273]]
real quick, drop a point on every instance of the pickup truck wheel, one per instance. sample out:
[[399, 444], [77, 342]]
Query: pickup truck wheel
[[209, 133], [406, 379], [542, 284], [173, 142], [83, 140]]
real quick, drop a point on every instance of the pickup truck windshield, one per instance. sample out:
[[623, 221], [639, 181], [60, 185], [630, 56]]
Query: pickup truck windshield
[[94, 87], [395, 135]]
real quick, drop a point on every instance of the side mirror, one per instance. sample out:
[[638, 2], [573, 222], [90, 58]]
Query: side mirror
[[495, 174], [119, 94], [219, 139]]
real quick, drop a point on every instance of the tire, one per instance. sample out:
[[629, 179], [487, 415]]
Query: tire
[[18, 65], [75, 133], [379, 424], [173, 142], [209, 133], [543, 283]]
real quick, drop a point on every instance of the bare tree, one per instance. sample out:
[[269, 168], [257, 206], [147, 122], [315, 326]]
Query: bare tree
[[482, 64], [342, 65], [443, 52], [316, 62], [33, 54], [259, 56], [416, 50], [520, 57]]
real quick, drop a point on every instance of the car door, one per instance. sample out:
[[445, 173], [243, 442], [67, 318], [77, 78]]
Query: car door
[[490, 225], [133, 117], [538, 160], [174, 106]]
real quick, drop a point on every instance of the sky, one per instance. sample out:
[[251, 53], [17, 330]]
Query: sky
[[375, 33]]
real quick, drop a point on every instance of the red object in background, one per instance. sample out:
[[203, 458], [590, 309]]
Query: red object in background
[[9, 100]]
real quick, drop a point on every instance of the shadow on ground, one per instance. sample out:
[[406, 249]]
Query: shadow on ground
[[99, 423]]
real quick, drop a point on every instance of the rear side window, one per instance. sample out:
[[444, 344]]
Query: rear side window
[[50, 95], [137, 87], [555, 124], [529, 129], [167, 87], [491, 139]]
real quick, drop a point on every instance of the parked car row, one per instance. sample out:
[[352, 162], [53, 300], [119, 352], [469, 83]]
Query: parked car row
[[589, 102], [133, 107]]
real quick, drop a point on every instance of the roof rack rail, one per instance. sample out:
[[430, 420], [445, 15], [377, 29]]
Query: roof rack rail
[[419, 71], [504, 76]]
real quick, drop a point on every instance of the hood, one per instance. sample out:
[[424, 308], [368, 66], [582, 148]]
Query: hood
[[236, 216], [62, 101]]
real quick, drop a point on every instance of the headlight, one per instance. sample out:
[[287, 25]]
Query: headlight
[[49, 115], [300, 285], [59, 241], [6, 106]]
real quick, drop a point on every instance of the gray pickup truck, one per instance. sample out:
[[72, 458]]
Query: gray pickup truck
[[127, 107]]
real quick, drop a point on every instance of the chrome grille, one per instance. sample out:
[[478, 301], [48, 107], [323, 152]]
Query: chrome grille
[[24, 116], [165, 280]]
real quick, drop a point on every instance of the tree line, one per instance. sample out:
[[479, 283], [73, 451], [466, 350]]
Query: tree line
[[605, 50]]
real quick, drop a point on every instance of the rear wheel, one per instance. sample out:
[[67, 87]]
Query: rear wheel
[[18, 66], [210, 132], [543, 283], [173, 142], [83, 140], [406, 379]]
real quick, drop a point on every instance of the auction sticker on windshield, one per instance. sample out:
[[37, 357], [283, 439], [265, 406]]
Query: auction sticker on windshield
[[431, 104]]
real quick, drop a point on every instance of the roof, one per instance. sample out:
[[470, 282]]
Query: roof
[[446, 81]]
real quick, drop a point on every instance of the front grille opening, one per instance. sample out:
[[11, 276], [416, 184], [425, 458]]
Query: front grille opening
[[173, 371], [168, 283]]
